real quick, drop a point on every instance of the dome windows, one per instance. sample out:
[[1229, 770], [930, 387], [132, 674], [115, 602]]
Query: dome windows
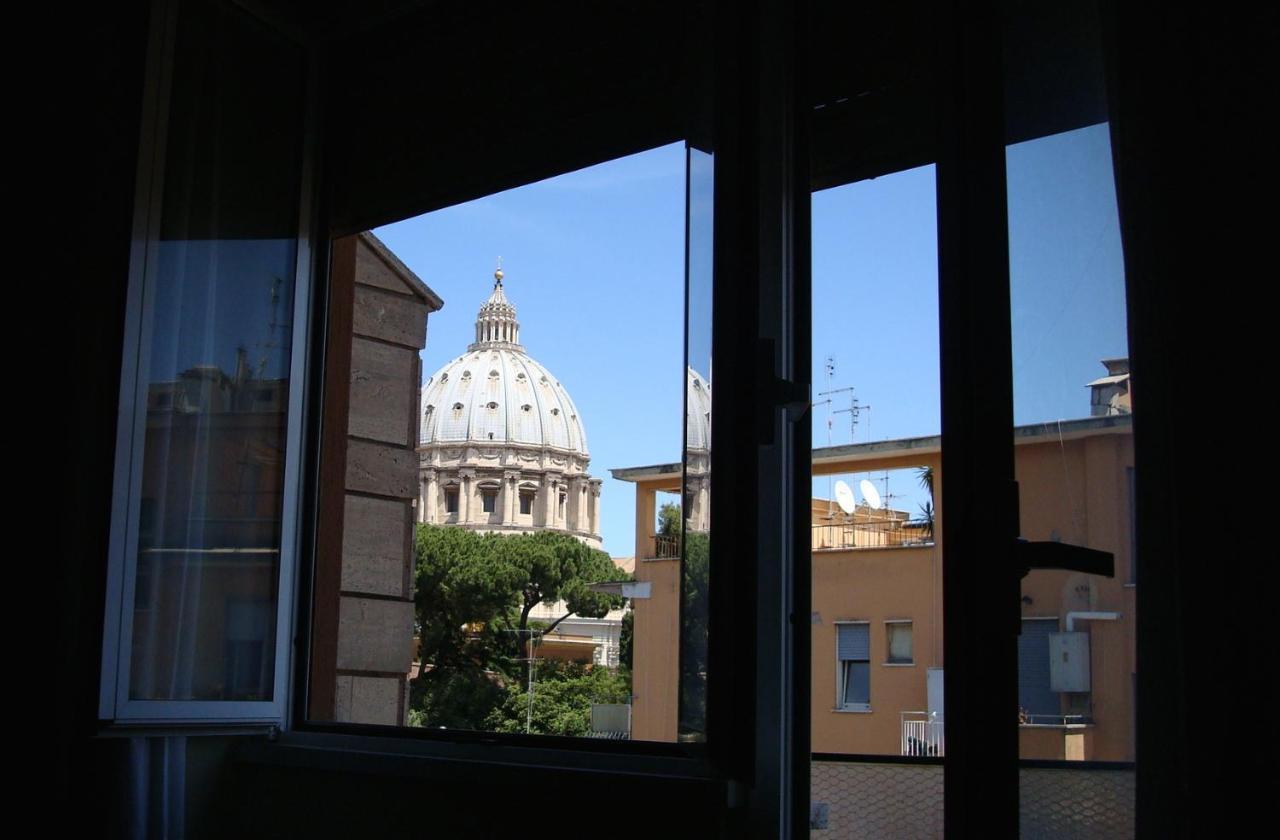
[[526, 408], [466, 375], [493, 374], [492, 406], [556, 412], [444, 377], [457, 406]]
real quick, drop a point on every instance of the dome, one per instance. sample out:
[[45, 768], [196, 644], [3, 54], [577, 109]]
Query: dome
[[697, 420], [495, 393]]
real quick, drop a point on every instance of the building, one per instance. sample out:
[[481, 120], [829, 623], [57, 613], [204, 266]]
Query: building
[[402, 102], [502, 449], [878, 651]]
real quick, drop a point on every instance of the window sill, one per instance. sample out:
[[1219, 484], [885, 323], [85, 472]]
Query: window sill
[[898, 664], [478, 762], [854, 710]]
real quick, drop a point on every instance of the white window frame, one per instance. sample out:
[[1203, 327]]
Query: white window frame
[[888, 644], [114, 703], [841, 705]]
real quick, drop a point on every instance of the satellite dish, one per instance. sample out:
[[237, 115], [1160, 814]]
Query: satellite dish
[[844, 497], [870, 494]]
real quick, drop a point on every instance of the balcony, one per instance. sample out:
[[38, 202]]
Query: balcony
[[923, 735], [883, 532], [663, 547]]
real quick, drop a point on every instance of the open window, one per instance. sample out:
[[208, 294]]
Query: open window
[[209, 438]]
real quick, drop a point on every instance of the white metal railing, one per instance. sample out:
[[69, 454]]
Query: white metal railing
[[923, 735]]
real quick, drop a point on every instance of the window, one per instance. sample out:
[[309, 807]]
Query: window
[[1037, 702], [526, 502], [205, 496], [898, 635], [488, 499], [853, 651], [451, 500]]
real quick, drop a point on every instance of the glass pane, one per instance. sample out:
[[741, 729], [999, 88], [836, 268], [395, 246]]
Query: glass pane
[[695, 577], [475, 558], [217, 339], [877, 653], [1073, 436]]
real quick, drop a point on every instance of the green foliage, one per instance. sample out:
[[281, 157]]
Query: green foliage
[[627, 640], [693, 643], [462, 598], [454, 697], [669, 520], [924, 475], [562, 696], [473, 597]]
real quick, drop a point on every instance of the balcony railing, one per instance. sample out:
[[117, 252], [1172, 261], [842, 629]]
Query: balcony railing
[[664, 547], [873, 533], [923, 736]]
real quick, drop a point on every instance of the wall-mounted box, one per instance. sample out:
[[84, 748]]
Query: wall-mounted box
[[1069, 661]]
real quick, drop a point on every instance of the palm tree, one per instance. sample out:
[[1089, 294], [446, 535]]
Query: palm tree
[[925, 476]]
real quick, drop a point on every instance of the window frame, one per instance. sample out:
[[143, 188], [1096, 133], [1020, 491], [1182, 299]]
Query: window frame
[[842, 669], [888, 643], [115, 706]]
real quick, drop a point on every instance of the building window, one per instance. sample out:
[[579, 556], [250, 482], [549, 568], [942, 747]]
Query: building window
[[489, 499], [451, 500], [853, 653], [898, 635], [526, 502]]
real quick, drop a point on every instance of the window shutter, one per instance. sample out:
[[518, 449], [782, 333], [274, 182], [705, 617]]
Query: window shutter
[[853, 641], [1034, 693]]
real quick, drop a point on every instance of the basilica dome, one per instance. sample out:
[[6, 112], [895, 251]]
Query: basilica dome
[[501, 445], [496, 394]]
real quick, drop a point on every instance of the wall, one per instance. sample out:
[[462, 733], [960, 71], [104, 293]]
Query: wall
[[369, 469], [655, 668]]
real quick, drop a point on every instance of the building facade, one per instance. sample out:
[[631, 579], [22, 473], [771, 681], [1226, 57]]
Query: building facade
[[878, 649]]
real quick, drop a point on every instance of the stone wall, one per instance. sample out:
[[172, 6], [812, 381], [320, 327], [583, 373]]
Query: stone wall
[[364, 603]]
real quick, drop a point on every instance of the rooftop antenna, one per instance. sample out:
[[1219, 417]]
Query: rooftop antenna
[[829, 370], [854, 409]]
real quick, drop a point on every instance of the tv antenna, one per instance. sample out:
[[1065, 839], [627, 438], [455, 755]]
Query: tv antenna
[[854, 410]]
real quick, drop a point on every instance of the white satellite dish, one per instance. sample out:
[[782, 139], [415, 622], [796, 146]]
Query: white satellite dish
[[870, 494], [844, 497]]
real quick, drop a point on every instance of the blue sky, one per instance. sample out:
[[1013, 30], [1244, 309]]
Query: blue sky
[[594, 264]]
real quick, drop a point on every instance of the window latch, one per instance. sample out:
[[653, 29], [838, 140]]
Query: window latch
[[788, 396]]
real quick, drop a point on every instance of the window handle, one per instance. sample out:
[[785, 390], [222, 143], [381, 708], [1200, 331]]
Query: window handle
[[1029, 554], [791, 398], [1055, 555]]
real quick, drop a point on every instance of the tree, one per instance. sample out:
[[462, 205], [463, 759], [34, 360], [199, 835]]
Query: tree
[[557, 567], [562, 700], [669, 520], [474, 594], [695, 620], [925, 476], [627, 639]]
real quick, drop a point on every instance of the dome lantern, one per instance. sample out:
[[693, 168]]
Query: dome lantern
[[496, 324]]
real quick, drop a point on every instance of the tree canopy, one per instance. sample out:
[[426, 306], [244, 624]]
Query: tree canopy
[[474, 595], [562, 698]]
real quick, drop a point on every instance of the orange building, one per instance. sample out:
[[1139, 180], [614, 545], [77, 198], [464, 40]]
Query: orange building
[[878, 651]]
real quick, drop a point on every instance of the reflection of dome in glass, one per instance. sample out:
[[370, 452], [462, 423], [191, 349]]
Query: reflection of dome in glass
[[495, 392], [697, 420]]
